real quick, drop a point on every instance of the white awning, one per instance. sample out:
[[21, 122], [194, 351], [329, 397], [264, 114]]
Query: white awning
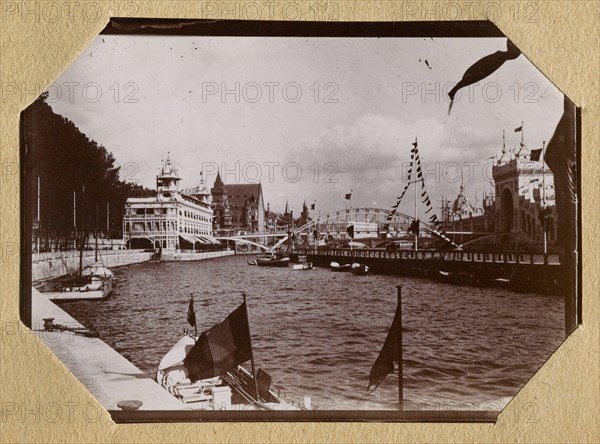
[[202, 239], [212, 240], [188, 237]]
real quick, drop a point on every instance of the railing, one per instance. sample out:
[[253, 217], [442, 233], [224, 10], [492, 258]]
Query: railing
[[53, 255], [150, 216], [153, 233], [453, 256]]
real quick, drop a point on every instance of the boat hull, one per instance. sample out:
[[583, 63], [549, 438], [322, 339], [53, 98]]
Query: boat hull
[[283, 262], [334, 266], [83, 293], [359, 269], [233, 390]]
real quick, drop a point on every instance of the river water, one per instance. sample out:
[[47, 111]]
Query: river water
[[317, 333]]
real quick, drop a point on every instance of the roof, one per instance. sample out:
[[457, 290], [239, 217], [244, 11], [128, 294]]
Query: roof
[[238, 193]]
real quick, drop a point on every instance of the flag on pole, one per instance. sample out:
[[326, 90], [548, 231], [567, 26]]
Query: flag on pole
[[350, 231], [519, 129], [191, 315], [536, 154], [348, 196], [384, 364], [220, 348]]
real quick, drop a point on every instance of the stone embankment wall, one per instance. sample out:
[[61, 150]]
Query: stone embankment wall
[[60, 263]]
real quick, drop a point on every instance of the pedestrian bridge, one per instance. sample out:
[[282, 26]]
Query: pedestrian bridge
[[331, 223]]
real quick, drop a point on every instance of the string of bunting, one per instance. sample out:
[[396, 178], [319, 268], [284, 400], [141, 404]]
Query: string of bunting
[[415, 163]]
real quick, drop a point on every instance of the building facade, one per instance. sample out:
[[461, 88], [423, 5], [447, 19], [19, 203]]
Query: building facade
[[519, 210], [525, 198], [170, 219], [238, 208]]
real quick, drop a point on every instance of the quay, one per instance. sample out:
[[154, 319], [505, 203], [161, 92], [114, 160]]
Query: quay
[[528, 272], [107, 375], [61, 263]]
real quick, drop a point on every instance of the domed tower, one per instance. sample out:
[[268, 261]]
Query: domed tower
[[167, 182], [199, 192], [518, 181], [461, 208]]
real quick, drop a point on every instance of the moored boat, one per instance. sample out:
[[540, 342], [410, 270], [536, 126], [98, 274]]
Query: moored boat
[[94, 282], [204, 380], [303, 266], [272, 261], [334, 266], [361, 269]]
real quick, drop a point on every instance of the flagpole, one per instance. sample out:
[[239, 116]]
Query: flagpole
[[37, 245], [75, 218], [317, 217], [399, 350], [195, 320], [416, 236], [251, 352], [544, 199]]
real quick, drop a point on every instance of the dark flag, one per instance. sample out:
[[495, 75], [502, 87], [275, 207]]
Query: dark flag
[[220, 348], [414, 227], [483, 68], [191, 315], [312, 207], [544, 215], [350, 231], [561, 158], [384, 364], [348, 196], [535, 154], [519, 129]]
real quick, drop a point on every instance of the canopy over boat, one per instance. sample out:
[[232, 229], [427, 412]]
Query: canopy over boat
[[96, 269], [177, 353]]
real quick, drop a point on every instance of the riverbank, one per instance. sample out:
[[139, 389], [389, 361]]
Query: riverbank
[[193, 256], [107, 375], [52, 265]]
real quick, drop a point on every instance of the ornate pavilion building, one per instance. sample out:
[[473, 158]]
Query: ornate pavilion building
[[171, 219], [522, 203]]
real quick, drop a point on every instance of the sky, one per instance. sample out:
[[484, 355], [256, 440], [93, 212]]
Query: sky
[[311, 118]]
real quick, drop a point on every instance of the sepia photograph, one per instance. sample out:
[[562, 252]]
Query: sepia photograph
[[355, 222]]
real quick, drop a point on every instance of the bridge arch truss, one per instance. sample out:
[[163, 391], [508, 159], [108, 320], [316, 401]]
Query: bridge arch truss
[[366, 214]]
